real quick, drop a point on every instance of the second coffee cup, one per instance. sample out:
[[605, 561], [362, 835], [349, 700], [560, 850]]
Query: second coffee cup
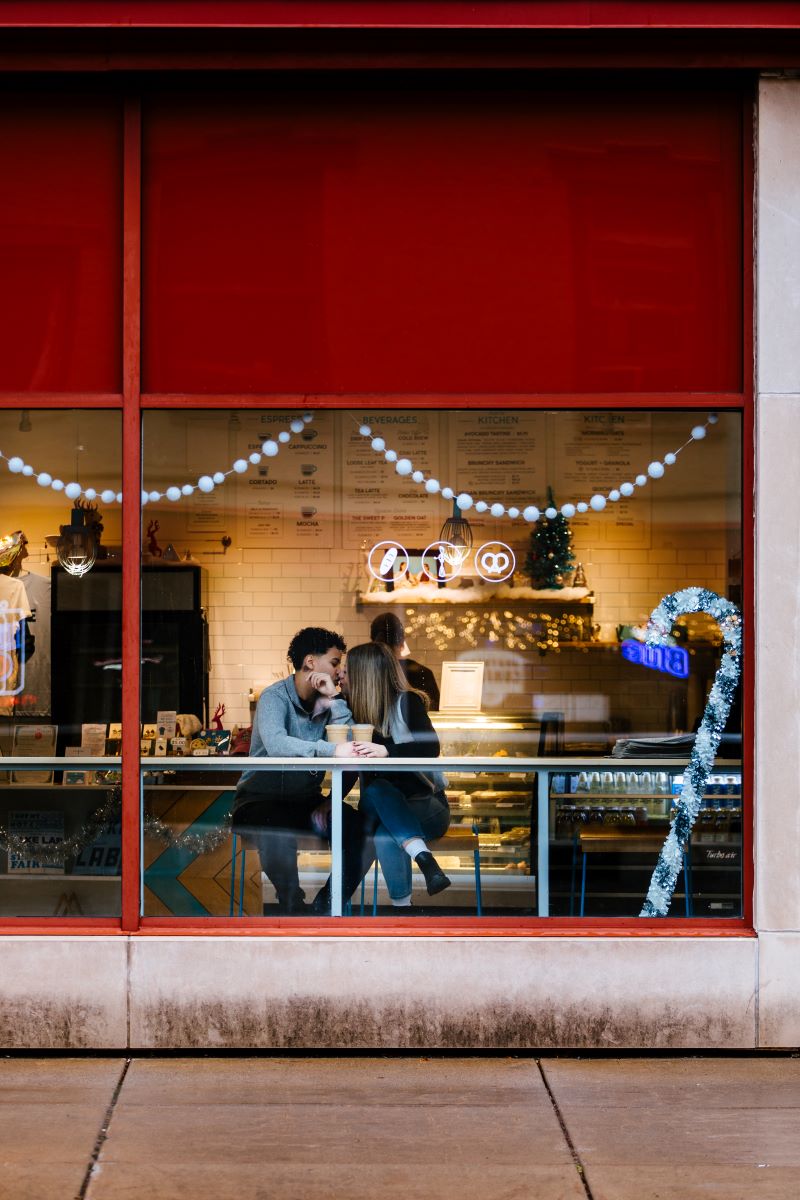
[[362, 733]]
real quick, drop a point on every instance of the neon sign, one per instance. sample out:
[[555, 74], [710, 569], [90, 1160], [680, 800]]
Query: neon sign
[[672, 660]]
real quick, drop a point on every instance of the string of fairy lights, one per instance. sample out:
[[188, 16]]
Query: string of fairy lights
[[526, 630]]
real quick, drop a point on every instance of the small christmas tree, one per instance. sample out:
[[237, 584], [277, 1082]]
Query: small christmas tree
[[550, 556]]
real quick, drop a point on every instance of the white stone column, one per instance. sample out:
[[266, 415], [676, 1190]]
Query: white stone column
[[777, 793]]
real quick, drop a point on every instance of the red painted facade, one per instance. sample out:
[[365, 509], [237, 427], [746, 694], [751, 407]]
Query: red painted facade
[[414, 235]]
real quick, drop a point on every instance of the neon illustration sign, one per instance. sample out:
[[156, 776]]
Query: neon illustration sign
[[672, 660]]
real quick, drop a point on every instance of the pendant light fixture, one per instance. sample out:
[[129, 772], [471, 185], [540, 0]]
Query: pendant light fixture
[[76, 548], [457, 531]]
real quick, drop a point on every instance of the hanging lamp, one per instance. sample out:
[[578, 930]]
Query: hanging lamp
[[457, 531]]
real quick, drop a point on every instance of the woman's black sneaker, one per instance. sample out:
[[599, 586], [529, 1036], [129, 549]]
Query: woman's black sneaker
[[435, 878]]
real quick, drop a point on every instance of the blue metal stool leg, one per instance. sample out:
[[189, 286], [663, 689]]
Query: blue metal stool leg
[[363, 895], [375, 891], [687, 880], [476, 854], [241, 878], [233, 874], [583, 883], [572, 875]]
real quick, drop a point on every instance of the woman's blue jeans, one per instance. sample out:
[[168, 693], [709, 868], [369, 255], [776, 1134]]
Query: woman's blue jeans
[[398, 818]]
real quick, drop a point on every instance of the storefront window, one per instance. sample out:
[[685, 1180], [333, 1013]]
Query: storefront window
[[342, 597], [60, 663]]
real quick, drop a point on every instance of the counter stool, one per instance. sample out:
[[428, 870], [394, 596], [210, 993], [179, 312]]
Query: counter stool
[[305, 841], [459, 839], [617, 840]]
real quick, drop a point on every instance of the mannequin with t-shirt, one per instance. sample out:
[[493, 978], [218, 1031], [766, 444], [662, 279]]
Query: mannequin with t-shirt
[[15, 611]]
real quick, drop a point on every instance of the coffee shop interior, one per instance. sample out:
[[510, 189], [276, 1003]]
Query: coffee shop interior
[[522, 550]]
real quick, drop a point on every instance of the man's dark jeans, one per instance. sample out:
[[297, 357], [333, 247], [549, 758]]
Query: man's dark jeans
[[272, 824]]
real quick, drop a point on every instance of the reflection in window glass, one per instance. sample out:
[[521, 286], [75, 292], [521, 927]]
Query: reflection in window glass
[[60, 662], [385, 586]]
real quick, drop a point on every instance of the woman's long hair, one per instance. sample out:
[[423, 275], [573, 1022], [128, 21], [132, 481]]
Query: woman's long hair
[[375, 680]]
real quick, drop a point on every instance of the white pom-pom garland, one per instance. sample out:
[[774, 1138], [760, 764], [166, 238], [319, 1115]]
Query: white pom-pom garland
[[404, 467], [551, 513]]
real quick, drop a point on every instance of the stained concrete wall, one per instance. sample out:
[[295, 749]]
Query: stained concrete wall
[[777, 841], [512, 992]]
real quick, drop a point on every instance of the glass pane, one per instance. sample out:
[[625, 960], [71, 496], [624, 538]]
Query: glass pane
[[60, 663], [309, 600], [405, 232], [60, 238]]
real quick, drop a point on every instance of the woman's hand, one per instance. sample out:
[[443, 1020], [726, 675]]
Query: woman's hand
[[369, 750], [345, 750]]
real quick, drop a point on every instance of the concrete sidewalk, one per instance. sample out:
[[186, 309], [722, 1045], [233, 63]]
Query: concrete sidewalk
[[438, 1128]]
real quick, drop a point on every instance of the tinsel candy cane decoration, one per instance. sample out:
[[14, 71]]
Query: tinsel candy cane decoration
[[706, 742]]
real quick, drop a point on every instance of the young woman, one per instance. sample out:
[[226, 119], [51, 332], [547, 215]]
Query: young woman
[[410, 806]]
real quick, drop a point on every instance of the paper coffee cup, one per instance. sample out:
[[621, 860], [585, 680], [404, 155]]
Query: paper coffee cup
[[362, 733], [336, 733]]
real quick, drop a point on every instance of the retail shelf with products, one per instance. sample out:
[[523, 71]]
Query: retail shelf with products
[[608, 826], [85, 879]]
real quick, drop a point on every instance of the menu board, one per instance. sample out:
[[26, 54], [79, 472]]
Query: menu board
[[286, 500], [376, 502], [497, 456], [593, 452]]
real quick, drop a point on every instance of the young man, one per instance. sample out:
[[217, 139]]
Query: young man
[[273, 806]]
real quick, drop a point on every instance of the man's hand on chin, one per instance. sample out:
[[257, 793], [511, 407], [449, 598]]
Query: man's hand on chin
[[323, 684]]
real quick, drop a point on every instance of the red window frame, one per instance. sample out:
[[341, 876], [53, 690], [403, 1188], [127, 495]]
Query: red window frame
[[133, 403]]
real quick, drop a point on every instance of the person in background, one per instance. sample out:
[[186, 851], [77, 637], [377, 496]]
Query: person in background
[[387, 630], [409, 806], [273, 806]]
